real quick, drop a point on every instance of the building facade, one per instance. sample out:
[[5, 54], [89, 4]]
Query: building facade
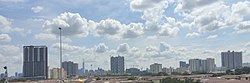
[[168, 70], [70, 67], [117, 65], [183, 64], [55, 72], [194, 65], [155, 68], [203, 66], [199, 65], [210, 65], [35, 61], [231, 60]]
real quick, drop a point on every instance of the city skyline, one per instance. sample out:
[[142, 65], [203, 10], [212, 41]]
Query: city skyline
[[148, 31]]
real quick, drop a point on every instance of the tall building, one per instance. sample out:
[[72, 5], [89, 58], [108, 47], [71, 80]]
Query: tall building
[[155, 68], [231, 60], [35, 61], [117, 65], [83, 66], [203, 66], [16, 74], [195, 65], [55, 72], [210, 65], [2, 75], [183, 64], [81, 71], [70, 67], [199, 65]]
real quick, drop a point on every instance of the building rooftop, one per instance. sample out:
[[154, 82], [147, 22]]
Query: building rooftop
[[221, 80]]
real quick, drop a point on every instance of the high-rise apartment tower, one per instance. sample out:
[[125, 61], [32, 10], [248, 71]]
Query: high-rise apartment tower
[[35, 61]]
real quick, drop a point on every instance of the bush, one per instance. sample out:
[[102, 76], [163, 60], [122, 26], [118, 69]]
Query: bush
[[132, 78]]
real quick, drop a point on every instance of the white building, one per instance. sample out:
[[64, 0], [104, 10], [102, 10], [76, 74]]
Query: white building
[[194, 65], [210, 65], [155, 68], [199, 65], [55, 72]]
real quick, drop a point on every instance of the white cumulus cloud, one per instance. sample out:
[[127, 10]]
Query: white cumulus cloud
[[170, 28], [72, 24], [101, 48], [169, 31], [44, 36], [212, 36], [207, 23], [123, 48], [247, 44], [5, 25], [9, 50], [185, 5], [109, 27], [164, 47], [133, 30], [37, 9], [192, 35], [68, 47], [239, 11], [152, 11], [208, 18], [243, 27], [151, 48], [5, 38]]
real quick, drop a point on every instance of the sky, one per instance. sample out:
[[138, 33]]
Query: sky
[[143, 31]]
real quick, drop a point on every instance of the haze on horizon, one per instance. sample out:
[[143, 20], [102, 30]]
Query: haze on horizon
[[143, 31]]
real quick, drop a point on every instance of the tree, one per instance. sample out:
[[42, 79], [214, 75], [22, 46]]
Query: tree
[[132, 78], [244, 70], [218, 74], [162, 74], [229, 72]]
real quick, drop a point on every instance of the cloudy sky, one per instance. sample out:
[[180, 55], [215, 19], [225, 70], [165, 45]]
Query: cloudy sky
[[143, 31]]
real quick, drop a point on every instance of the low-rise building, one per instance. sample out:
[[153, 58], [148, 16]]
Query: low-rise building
[[55, 73], [133, 71]]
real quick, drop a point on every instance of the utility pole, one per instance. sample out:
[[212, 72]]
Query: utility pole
[[6, 74], [60, 53]]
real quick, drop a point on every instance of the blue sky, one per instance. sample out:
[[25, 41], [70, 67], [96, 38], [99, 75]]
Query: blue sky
[[144, 31]]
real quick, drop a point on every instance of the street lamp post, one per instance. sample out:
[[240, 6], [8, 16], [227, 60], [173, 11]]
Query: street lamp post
[[6, 74], [60, 53]]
